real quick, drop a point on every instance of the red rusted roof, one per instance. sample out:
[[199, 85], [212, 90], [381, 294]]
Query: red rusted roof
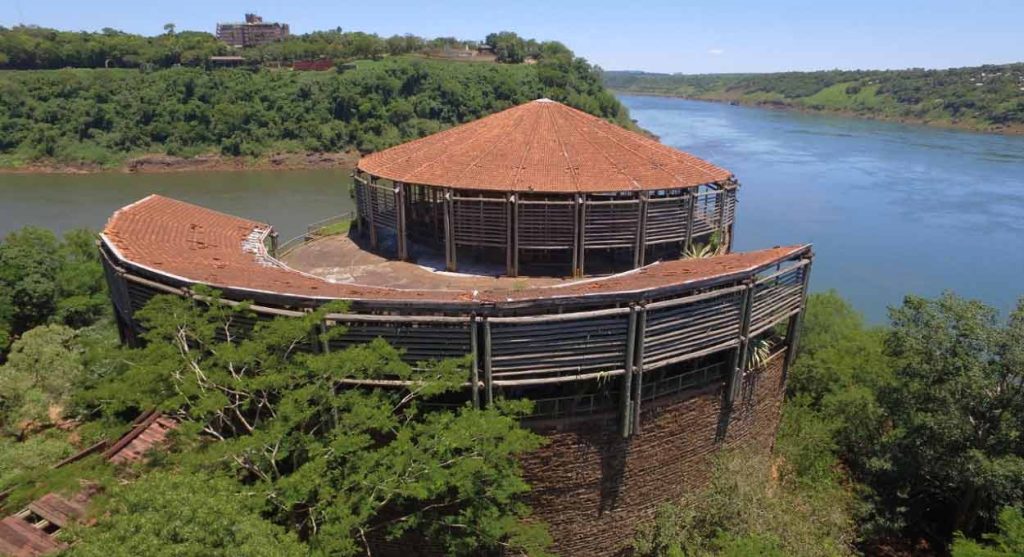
[[541, 146], [200, 245]]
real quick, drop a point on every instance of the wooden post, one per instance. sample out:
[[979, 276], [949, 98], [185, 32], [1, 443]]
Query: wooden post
[[511, 232], [488, 380], [449, 231], [638, 367], [721, 212], [403, 248], [739, 359], [579, 235], [370, 190], [793, 332], [474, 376], [641, 230], [626, 410], [691, 211], [515, 251]]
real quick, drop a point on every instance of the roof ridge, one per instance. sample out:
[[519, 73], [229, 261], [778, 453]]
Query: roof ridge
[[611, 161], [573, 171]]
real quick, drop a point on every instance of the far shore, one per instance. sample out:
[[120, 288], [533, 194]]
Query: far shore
[[157, 163], [950, 125]]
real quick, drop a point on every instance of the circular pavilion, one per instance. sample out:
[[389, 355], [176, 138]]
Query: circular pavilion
[[544, 188], [639, 372]]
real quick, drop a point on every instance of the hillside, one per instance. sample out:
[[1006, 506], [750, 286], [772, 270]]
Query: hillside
[[103, 118], [985, 98], [80, 101]]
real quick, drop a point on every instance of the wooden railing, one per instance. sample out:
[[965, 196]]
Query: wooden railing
[[314, 231]]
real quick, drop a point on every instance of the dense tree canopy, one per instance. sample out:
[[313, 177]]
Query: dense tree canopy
[[103, 116], [44, 279]]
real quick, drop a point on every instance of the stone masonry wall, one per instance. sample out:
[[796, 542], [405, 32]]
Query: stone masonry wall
[[594, 488]]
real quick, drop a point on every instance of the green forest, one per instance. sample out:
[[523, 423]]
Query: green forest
[[104, 117], [902, 439], [985, 98]]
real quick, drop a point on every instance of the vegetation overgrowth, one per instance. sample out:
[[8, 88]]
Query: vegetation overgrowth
[[985, 98], [904, 438]]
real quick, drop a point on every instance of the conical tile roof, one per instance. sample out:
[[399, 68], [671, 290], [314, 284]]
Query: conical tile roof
[[541, 146]]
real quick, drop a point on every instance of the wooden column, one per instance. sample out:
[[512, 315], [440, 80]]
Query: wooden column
[[626, 409], [488, 379], [691, 211], [515, 252], [641, 231], [638, 367], [793, 331], [579, 236], [370, 192], [511, 235], [474, 374], [449, 231], [400, 225], [722, 194], [740, 356]]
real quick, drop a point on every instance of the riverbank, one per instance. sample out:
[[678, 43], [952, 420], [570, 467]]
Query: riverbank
[[157, 163], [1017, 129]]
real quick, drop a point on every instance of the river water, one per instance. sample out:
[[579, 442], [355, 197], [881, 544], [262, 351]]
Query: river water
[[891, 209]]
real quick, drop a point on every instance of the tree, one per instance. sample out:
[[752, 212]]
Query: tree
[[168, 514], [43, 279], [169, 28], [955, 452], [1007, 542], [345, 466], [509, 48], [36, 381]]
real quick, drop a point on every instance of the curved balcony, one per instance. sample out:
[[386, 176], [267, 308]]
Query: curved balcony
[[521, 340]]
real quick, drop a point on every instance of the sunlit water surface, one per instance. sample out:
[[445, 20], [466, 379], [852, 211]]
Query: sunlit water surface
[[891, 209]]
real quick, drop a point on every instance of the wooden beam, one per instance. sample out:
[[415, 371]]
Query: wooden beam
[[626, 409], [638, 366], [580, 238], [512, 231], [795, 322], [515, 251], [370, 194], [449, 231], [488, 379], [691, 211], [739, 359], [641, 221], [474, 375], [400, 209]]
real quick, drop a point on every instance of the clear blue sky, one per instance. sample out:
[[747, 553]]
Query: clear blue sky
[[657, 35]]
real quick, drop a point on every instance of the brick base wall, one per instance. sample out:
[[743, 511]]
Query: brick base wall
[[594, 488]]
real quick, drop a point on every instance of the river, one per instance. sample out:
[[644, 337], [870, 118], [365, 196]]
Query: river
[[891, 209]]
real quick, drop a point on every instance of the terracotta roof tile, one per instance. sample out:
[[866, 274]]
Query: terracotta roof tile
[[541, 146], [200, 245]]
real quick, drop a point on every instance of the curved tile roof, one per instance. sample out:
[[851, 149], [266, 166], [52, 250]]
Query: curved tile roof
[[199, 245], [541, 146]]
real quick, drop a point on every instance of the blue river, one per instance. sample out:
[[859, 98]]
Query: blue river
[[891, 209]]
